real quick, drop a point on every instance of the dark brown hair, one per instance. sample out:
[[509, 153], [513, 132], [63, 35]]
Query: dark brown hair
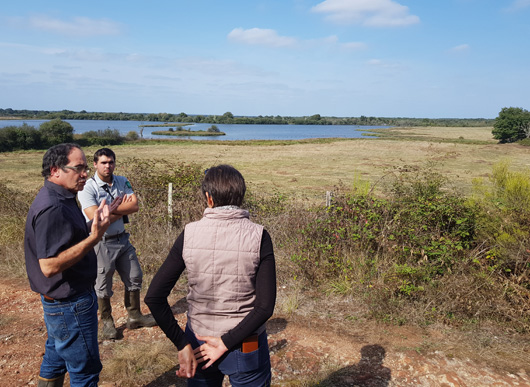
[[56, 156], [225, 185], [104, 152]]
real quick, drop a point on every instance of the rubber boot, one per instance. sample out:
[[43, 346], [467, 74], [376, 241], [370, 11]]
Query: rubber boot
[[108, 330], [56, 382], [136, 319]]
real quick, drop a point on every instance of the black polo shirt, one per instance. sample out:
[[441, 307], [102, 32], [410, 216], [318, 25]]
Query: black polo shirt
[[54, 224]]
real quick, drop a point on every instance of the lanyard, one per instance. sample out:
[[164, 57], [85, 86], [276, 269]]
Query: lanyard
[[105, 187], [107, 190]]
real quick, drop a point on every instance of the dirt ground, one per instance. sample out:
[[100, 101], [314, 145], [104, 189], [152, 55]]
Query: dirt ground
[[302, 348]]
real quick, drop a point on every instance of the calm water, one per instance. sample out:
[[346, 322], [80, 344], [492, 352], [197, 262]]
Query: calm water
[[233, 132]]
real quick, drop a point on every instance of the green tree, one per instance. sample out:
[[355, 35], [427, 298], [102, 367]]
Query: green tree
[[512, 124], [56, 131], [227, 118]]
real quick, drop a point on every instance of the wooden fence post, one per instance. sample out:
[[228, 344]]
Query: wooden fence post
[[329, 196], [169, 204]]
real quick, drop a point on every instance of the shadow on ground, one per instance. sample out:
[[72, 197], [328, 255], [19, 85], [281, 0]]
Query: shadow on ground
[[369, 372], [168, 379]]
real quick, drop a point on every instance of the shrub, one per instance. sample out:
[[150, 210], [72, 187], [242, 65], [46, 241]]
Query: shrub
[[424, 230], [56, 131], [132, 136], [102, 137], [20, 137], [505, 224]]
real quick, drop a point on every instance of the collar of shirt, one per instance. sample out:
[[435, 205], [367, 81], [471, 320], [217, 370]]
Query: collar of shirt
[[59, 189], [100, 182]]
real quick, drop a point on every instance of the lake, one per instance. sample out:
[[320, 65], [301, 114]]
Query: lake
[[233, 132]]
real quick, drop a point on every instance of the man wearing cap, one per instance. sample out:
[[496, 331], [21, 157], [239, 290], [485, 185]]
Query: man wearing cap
[[114, 252], [61, 266]]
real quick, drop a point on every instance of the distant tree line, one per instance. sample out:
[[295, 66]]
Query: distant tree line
[[229, 118]]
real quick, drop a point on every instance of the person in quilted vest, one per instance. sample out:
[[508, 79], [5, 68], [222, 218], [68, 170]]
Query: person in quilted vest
[[231, 289]]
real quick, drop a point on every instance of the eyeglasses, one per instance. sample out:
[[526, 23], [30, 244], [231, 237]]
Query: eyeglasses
[[79, 168]]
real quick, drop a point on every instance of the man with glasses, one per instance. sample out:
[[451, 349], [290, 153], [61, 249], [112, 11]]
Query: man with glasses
[[62, 267], [114, 252]]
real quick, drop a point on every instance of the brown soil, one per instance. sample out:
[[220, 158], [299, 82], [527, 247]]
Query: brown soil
[[311, 349]]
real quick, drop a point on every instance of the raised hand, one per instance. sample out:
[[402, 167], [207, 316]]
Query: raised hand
[[101, 220]]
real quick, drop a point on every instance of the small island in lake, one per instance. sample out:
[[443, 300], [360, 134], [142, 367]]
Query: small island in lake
[[180, 131]]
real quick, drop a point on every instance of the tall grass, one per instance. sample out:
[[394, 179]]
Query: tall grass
[[14, 207]]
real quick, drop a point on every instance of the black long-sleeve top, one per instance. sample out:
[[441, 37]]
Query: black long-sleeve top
[[170, 271]]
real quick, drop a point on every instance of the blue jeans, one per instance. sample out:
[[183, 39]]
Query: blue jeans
[[251, 369], [72, 343]]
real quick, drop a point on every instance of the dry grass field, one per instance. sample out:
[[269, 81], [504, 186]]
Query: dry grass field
[[308, 169]]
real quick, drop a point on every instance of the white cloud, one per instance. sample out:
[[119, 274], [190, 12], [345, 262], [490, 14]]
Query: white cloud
[[374, 13], [37, 49], [353, 46], [518, 4], [383, 64], [460, 48], [270, 38], [79, 26], [261, 36]]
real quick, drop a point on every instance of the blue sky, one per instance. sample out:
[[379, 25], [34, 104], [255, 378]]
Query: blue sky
[[346, 58]]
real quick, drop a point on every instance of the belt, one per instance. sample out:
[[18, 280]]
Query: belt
[[52, 300], [111, 237]]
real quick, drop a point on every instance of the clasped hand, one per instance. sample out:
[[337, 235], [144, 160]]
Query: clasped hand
[[210, 351]]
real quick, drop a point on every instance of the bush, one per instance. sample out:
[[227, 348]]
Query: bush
[[102, 137], [505, 224], [424, 253], [132, 136], [56, 132], [20, 137], [424, 230]]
